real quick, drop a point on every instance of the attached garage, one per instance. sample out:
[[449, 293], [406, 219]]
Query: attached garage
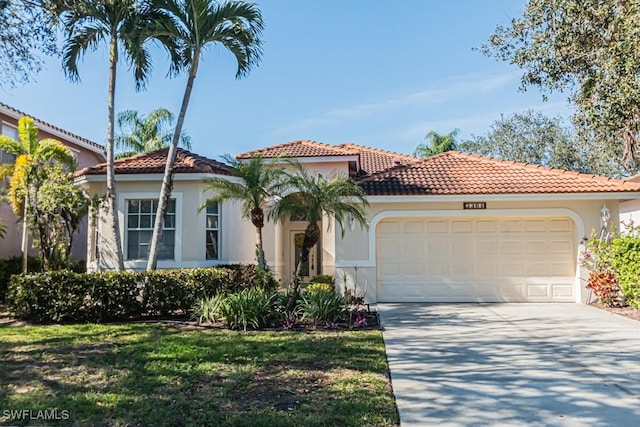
[[476, 259]]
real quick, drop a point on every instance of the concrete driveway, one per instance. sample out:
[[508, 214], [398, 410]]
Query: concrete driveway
[[512, 364]]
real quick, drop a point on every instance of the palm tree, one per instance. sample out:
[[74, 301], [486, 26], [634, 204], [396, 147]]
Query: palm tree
[[124, 25], [258, 182], [144, 133], [437, 144], [198, 24], [311, 197], [31, 155]]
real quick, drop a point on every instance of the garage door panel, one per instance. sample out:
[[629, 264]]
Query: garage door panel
[[561, 225], [461, 226], [536, 247], [483, 259], [509, 247], [486, 226], [436, 226]]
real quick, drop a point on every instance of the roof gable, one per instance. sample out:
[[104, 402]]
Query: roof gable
[[300, 148], [155, 161], [373, 160]]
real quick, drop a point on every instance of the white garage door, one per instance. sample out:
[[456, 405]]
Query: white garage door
[[521, 259]]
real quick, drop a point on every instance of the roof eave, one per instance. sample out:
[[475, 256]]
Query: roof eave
[[55, 132]]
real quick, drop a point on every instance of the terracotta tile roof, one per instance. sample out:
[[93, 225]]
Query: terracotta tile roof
[[155, 161], [301, 148], [17, 113], [461, 173], [373, 160]]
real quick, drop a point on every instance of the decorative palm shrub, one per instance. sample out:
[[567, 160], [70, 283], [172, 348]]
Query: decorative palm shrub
[[249, 308], [323, 304], [208, 309]]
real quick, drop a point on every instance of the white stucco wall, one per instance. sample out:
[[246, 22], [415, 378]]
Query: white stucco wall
[[629, 212]]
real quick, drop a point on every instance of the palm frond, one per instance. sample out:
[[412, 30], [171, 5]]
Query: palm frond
[[10, 146]]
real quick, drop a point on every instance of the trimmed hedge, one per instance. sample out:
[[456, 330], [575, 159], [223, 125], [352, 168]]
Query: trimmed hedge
[[65, 296], [13, 265]]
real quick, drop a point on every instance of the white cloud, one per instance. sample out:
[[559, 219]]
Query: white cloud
[[457, 87]]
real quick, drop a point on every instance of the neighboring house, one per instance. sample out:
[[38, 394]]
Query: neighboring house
[[87, 153], [451, 227]]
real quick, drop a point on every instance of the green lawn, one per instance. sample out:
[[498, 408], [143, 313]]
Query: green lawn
[[176, 375]]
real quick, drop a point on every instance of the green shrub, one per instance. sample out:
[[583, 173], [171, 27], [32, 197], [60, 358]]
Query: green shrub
[[625, 262], [621, 256], [253, 308], [323, 306], [320, 287], [13, 265], [323, 278], [208, 309], [96, 297]]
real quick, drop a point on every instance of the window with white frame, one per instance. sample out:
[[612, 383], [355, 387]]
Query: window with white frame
[[11, 132], [141, 217], [213, 231]]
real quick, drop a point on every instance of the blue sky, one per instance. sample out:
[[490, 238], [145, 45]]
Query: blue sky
[[372, 72]]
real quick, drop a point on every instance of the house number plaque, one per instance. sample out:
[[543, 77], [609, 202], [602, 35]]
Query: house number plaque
[[474, 205]]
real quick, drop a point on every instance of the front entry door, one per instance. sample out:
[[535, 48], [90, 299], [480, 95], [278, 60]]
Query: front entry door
[[310, 268]]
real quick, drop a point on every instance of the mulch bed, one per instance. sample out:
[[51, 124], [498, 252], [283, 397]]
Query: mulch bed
[[630, 312], [371, 317]]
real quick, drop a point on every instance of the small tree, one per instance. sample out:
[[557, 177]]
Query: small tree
[[312, 196], [32, 156], [55, 212], [258, 183]]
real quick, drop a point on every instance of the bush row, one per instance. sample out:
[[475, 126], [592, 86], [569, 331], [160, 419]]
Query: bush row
[[65, 296], [13, 265]]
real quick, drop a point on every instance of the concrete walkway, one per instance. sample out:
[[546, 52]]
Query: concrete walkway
[[512, 364]]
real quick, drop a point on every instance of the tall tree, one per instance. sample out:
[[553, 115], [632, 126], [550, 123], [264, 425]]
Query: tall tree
[[532, 137], [31, 156], [125, 26], [437, 144], [26, 32], [144, 133], [257, 185], [588, 48], [197, 25], [311, 196]]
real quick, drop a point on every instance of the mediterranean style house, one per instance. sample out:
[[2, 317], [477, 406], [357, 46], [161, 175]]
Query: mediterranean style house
[[454, 227], [87, 153]]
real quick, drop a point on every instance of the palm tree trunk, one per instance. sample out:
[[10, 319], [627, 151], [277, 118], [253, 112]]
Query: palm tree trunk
[[167, 180], [262, 262], [112, 202], [311, 237], [25, 237]]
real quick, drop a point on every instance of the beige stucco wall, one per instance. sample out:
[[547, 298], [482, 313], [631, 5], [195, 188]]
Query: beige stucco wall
[[355, 253], [237, 235]]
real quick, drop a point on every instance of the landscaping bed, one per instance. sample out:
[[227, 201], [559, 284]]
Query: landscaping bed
[[628, 311], [178, 373]]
